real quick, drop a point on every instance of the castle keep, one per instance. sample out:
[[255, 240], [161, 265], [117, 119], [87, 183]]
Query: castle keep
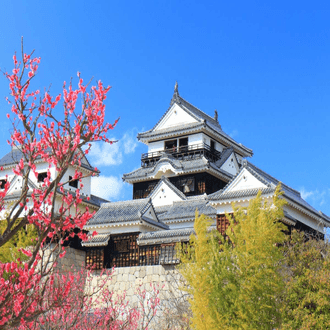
[[191, 163]]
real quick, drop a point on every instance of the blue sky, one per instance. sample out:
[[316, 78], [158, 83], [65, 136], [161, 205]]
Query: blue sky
[[264, 67]]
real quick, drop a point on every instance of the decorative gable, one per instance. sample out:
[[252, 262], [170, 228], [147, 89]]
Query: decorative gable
[[165, 193], [230, 165], [149, 213], [245, 180], [175, 116], [16, 185]]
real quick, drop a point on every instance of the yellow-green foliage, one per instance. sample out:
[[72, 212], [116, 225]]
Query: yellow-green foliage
[[25, 238], [306, 303], [236, 285]]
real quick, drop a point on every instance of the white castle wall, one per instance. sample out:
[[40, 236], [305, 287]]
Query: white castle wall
[[155, 146]]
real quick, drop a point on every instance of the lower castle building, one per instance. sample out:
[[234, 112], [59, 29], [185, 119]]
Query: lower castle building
[[191, 164]]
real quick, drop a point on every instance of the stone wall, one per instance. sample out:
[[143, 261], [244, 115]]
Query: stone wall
[[73, 260], [173, 301]]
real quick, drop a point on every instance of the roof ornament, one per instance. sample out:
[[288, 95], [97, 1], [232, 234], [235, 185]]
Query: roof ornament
[[216, 115], [175, 97], [176, 88]]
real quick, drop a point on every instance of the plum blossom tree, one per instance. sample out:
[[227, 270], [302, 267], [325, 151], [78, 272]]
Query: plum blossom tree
[[71, 301], [39, 133]]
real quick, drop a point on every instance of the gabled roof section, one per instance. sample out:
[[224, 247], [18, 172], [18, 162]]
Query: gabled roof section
[[228, 161], [16, 184], [15, 155], [263, 182], [92, 200], [224, 156], [201, 121], [165, 193], [166, 181], [11, 158], [247, 179], [125, 212]]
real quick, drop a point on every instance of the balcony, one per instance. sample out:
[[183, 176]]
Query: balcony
[[184, 153]]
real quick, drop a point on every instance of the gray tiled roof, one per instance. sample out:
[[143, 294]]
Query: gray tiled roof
[[15, 155], [221, 195], [179, 129], [165, 236], [89, 199], [200, 116], [101, 239], [11, 158], [173, 130], [119, 211], [288, 191], [124, 211], [197, 164], [290, 217], [97, 200], [271, 184], [187, 210]]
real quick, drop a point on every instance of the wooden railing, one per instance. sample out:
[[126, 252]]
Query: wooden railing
[[183, 152]]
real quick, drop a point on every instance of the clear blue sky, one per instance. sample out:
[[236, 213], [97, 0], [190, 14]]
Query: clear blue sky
[[264, 67]]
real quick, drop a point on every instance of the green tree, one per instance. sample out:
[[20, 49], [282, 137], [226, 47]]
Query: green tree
[[25, 238], [306, 303], [237, 284]]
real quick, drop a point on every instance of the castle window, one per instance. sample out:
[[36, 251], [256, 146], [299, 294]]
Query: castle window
[[212, 145], [3, 183], [123, 251], [223, 223], [95, 258], [183, 142], [171, 145], [168, 255], [73, 183], [42, 176]]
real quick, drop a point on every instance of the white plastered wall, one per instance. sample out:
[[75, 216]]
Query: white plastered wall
[[155, 146], [164, 195], [230, 165], [303, 218], [207, 140], [86, 190], [245, 180], [176, 116]]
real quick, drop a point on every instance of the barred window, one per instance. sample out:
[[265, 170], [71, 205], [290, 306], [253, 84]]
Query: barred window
[[168, 255], [122, 251], [201, 187], [222, 223], [149, 255], [95, 258]]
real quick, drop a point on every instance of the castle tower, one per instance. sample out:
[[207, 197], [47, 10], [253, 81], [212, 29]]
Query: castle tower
[[188, 147]]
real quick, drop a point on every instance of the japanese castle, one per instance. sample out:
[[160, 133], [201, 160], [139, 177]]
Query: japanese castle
[[191, 164]]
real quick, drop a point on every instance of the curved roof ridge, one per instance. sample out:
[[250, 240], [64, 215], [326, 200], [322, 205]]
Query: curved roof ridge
[[220, 195], [274, 180]]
